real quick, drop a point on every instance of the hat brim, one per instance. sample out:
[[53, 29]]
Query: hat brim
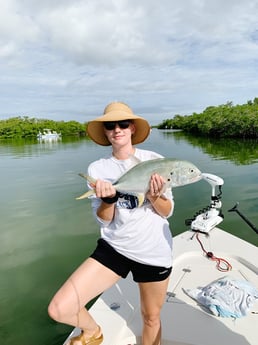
[[95, 128]]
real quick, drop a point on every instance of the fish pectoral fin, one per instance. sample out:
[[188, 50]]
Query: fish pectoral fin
[[86, 195], [140, 197]]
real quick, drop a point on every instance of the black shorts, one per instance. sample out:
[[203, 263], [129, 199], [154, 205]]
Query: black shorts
[[121, 265]]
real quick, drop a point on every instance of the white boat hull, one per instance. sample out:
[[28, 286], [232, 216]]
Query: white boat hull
[[184, 321], [49, 135]]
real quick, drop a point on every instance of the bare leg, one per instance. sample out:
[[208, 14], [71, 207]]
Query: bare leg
[[87, 282], [152, 299]]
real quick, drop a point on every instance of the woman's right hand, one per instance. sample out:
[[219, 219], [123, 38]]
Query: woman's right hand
[[104, 189], [107, 193]]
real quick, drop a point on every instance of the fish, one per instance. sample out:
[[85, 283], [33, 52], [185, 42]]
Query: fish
[[136, 180]]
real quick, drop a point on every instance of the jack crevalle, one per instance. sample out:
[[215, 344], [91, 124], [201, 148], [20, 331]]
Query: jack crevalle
[[136, 180]]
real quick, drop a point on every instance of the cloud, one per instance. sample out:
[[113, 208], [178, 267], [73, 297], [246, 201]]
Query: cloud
[[16, 29], [67, 59]]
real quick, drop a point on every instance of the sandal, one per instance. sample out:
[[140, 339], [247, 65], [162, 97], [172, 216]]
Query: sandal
[[91, 341]]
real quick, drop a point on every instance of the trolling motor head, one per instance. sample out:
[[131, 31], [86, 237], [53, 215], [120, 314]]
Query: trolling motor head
[[214, 181]]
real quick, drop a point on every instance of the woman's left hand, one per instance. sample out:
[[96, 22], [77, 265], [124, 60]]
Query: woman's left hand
[[160, 203], [156, 184]]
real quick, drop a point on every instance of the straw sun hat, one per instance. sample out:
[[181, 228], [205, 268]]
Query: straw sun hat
[[118, 111]]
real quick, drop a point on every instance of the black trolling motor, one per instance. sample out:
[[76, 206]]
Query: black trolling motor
[[235, 209]]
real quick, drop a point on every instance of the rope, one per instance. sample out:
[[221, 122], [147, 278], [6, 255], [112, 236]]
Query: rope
[[222, 264]]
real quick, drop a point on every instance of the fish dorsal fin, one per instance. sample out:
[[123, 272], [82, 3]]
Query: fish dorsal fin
[[134, 160], [131, 162]]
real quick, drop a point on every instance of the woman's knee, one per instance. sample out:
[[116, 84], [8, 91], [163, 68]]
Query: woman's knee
[[53, 311], [151, 319], [65, 303], [59, 309]]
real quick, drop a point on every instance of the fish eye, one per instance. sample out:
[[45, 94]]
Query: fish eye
[[171, 173], [168, 179]]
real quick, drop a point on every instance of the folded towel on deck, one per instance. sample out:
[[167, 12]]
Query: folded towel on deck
[[226, 297]]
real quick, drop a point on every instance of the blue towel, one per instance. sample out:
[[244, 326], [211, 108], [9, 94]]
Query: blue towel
[[226, 297]]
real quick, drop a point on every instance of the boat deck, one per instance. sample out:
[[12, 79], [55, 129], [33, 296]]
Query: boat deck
[[184, 321]]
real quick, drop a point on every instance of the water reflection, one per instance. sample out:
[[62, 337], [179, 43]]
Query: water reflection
[[239, 151], [20, 148]]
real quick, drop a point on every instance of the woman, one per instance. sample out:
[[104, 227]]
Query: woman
[[133, 239]]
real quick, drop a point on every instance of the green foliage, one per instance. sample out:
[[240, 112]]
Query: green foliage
[[25, 127], [241, 152], [223, 121]]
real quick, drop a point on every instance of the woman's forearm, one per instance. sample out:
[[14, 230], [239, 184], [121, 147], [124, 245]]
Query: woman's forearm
[[160, 204], [106, 211]]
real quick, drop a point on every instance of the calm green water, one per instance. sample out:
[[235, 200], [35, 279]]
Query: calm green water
[[45, 233]]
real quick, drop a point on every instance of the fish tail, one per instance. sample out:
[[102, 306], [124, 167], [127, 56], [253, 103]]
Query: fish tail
[[90, 179], [86, 195], [92, 182]]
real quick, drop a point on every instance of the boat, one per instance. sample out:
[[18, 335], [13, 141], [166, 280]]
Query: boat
[[203, 255], [49, 135]]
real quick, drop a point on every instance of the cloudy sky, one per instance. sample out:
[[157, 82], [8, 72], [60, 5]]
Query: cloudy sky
[[66, 59]]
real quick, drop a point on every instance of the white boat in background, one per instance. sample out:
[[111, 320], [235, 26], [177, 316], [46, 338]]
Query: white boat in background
[[49, 135], [202, 255]]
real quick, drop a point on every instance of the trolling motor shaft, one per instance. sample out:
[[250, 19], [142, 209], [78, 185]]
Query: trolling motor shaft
[[210, 217], [235, 209]]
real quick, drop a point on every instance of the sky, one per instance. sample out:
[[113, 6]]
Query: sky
[[67, 59]]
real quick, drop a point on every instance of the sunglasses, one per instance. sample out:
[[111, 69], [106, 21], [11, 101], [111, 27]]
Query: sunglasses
[[110, 125]]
